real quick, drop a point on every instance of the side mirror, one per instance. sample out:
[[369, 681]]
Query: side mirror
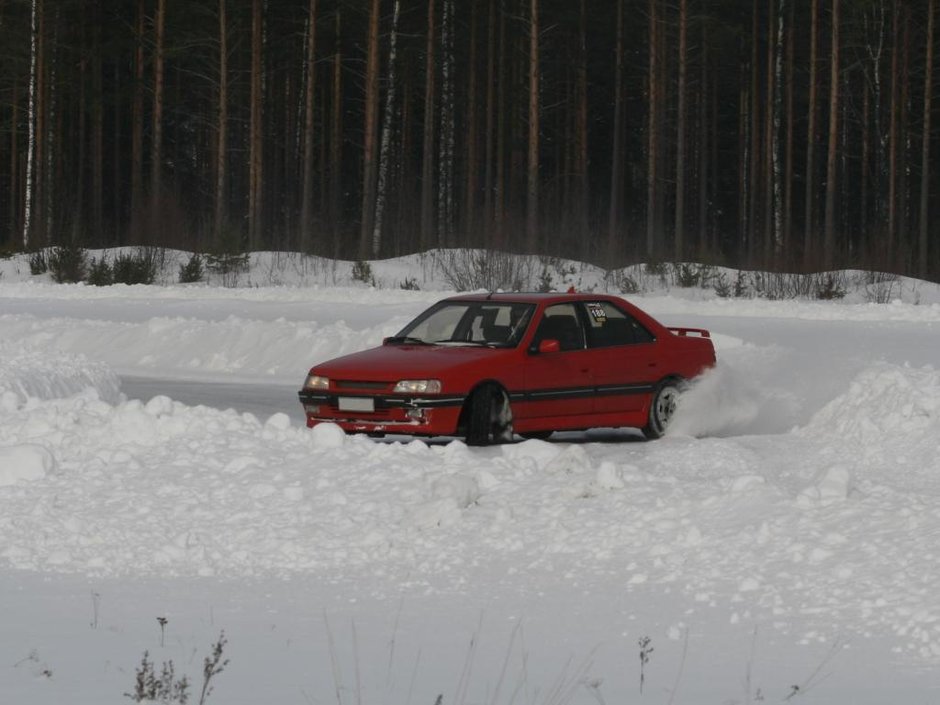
[[549, 345]]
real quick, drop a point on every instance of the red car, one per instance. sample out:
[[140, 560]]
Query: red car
[[485, 366]]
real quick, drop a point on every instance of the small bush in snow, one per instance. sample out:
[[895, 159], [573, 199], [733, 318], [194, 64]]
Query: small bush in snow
[[38, 264], [68, 263], [228, 266], [410, 284], [830, 288], [164, 688], [137, 268], [192, 271], [469, 270], [99, 272], [545, 281], [657, 269], [362, 272]]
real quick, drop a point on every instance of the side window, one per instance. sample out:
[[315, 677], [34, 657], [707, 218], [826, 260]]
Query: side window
[[609, 326], [560, 322]]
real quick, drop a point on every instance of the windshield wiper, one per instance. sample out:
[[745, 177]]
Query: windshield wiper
[[405, 340]]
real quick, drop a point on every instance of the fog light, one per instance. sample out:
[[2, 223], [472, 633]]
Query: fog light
[[415, 415], [311, 409]]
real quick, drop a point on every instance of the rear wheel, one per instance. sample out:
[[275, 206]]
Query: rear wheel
[[662, 408], [489, 418]]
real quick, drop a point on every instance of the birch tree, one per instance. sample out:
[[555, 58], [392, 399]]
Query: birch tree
[[35, 11], [386, 140]]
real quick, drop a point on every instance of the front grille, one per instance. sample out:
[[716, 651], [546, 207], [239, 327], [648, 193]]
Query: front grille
[[358, 384]]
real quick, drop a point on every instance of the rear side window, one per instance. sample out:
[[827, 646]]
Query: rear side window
[[561, 323], [609, 326]]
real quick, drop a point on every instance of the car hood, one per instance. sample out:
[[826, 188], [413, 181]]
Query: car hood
[[390, 363]]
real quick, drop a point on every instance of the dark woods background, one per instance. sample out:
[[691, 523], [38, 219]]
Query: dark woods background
[[788, 134]]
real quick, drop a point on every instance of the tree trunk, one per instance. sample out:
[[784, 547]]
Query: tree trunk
[[754, 146], [678, 242], [703, 146], [384, 150], [336, 139], [581, 131], [922, 254], [14, 162], [445, 171], [97, 180], [893, 137], [221, 129], [830, 237], [306, 199], [137, 131], [532, 190], [904, 135], [156, 151], [427, 148], [616, 166], [776, 178], [470, 198], [786, 235], [33, 158], [499, 199], [367, 212], [488, 169], [808, 226], [652, 132]]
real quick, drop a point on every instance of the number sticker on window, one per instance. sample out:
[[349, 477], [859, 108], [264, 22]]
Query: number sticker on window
[[597, 312]]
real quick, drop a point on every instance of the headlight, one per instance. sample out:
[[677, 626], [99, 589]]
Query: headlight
[[316, 382], [418, 386]]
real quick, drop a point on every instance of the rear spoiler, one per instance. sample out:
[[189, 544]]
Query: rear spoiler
[[683, 332]]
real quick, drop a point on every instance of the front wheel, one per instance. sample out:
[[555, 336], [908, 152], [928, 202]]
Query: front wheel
[[662, 408], [537, 435], [489, 418]]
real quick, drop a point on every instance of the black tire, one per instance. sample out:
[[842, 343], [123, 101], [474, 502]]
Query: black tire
[[537, 435], [662, 408], [489, 418]]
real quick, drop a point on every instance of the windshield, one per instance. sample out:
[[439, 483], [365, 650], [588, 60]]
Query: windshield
[[491, 323]]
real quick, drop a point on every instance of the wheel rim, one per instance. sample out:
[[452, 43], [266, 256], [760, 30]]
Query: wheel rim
[[501, 418], [666, 402]]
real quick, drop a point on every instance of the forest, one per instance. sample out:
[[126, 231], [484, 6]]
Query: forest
[[790, 135]]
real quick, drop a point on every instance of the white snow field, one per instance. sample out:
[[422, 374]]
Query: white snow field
[[782, 543]]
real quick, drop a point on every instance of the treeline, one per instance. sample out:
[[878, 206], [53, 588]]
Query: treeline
[[788, 134]]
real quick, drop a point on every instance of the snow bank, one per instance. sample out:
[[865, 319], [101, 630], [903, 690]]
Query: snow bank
[[231, 348], [34, 371], [887, 422]]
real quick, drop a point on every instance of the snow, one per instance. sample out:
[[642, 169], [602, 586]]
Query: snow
[[787, 526]]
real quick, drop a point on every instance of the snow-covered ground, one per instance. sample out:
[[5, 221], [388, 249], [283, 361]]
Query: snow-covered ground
[[783, 541]]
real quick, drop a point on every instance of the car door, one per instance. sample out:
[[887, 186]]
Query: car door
[[558, 384], [622, 357]]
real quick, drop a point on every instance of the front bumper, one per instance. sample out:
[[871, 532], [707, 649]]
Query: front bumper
[[357, 413]]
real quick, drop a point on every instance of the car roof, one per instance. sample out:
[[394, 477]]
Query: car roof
[[534, 297]]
